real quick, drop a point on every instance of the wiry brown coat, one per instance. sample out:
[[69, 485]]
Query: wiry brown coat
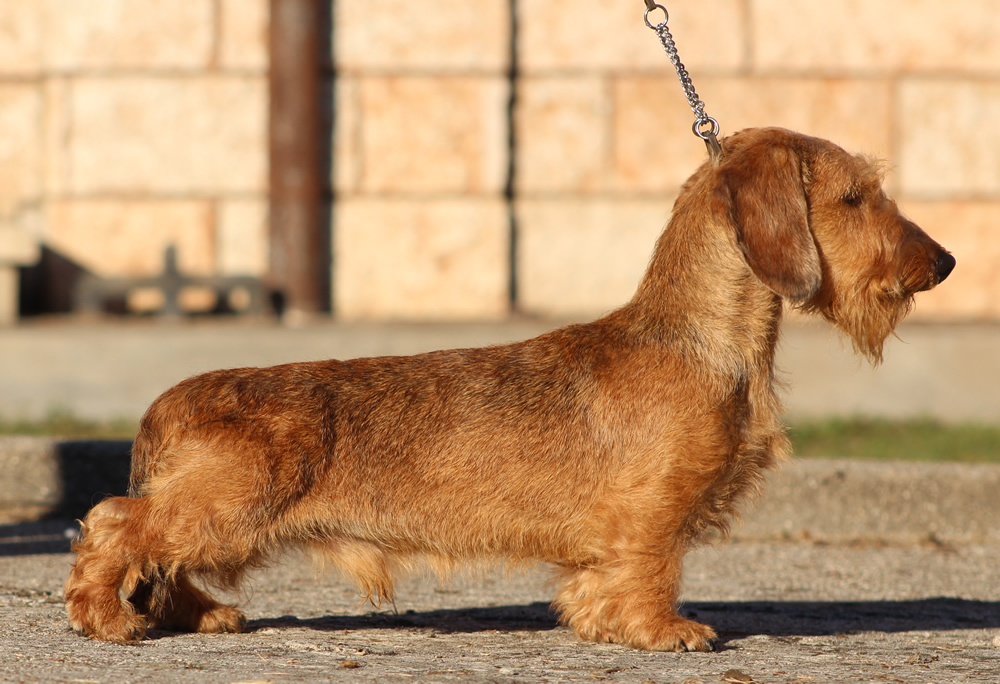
[[606, 449]]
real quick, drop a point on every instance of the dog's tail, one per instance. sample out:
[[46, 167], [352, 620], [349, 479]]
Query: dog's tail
[[149, 450], [148, 442]]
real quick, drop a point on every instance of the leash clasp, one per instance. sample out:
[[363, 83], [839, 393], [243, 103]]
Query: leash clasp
[[651, 6], [707, 129]]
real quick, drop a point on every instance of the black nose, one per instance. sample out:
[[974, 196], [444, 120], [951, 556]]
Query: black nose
[[944, 264]]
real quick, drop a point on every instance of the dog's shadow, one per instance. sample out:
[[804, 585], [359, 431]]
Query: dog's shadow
[[738, 619], [732, 619], [533, 617]]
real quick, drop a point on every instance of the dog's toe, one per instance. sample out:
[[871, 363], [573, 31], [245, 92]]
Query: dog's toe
[[120, 629], [678, 634], [222, 619]]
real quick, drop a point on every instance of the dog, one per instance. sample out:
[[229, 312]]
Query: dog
[[607, 449]]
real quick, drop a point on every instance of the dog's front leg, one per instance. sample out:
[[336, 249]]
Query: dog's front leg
[[631, 599]]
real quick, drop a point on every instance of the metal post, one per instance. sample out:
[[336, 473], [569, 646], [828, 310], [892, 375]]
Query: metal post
[[299, 253]]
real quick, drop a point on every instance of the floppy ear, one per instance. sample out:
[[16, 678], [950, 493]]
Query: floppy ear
[[764, 191]]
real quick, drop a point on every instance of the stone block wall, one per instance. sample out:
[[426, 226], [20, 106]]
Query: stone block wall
[[601, 122], [487, 157], [420, 221], [128, 126], [601, 141]]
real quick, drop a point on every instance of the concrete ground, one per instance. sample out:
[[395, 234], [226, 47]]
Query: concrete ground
[[845, 571], [786, 612]]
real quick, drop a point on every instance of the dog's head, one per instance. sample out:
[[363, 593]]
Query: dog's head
[[815, 227]]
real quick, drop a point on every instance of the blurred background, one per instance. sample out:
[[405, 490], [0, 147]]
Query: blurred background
[[508, 162], [446, 160]]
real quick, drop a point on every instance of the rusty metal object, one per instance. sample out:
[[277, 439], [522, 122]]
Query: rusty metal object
[[299, 242]]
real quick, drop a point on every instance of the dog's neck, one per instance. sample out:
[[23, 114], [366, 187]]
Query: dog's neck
[[699, 298]]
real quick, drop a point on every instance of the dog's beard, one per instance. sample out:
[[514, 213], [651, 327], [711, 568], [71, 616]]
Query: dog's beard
[[869, 317]]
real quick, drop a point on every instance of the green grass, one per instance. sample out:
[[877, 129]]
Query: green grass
[[884, 440], [65, 424], [860, 438]]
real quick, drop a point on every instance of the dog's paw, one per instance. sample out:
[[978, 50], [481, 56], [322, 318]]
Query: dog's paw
[[121, 626], [675, 634], [670, 633], [121, 630], [98, 612], [221, 618]]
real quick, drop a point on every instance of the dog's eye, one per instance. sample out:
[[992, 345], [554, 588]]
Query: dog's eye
[[852, 198]]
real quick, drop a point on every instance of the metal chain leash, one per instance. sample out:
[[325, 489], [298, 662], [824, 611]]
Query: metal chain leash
[[705, 127]]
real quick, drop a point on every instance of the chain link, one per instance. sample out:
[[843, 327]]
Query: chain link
[[705, 127]]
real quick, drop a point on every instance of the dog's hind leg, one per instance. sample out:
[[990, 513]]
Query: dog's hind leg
[[176, 603], [108, 569], [129, 575]]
